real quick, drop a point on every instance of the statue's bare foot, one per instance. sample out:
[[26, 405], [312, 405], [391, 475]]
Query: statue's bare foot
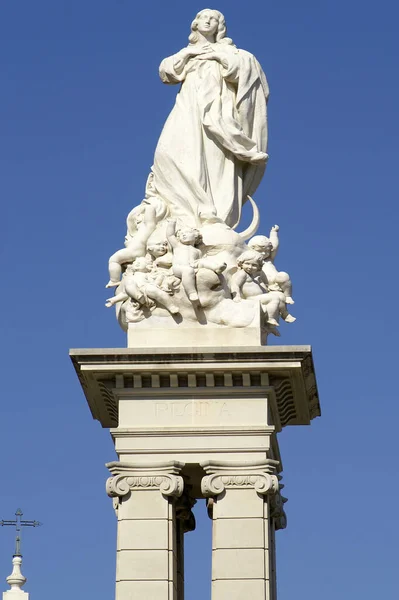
[[220, 268], [289, 319], [174, 309], [259, 158], [274, 331], [112, 283], [289, 300], [272, 321]]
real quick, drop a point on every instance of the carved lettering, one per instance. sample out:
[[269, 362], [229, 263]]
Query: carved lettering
[[196, 408], [224, 411], [161, 408]]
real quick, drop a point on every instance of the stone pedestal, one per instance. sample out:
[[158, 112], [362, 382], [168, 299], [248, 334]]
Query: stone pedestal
[[192, 423]]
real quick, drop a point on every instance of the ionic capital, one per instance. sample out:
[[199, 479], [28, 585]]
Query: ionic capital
[[128, 477], [257, 475]]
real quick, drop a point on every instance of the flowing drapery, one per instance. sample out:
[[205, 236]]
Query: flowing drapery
[[207, 157]]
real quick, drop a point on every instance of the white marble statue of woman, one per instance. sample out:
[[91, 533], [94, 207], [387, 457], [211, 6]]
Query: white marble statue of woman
[[212, 151]]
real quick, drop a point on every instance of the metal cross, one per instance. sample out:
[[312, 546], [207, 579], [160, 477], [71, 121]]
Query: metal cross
[[18, 524]]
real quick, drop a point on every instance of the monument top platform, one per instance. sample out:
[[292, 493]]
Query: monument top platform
[[267, 351]]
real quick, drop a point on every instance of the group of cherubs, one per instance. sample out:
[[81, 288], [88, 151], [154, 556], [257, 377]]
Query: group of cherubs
[[154, 272]]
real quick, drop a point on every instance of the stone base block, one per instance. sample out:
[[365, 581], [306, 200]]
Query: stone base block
[[168, 333]]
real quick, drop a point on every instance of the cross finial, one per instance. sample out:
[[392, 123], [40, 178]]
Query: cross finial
[[18, 523]]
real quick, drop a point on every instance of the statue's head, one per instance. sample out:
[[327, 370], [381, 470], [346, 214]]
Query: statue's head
[[189, 236], [158, 249], [209, 22], [250, 261], [261, 244], [137, 215], [141, 265]]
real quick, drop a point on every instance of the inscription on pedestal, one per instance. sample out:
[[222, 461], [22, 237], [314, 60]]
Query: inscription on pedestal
[[188, 409], [202, 412]]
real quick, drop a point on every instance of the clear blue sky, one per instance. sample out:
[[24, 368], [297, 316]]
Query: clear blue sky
[[81, 110]]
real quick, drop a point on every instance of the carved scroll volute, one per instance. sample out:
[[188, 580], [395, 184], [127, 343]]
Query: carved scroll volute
[[117, 486], [128, 478], [212, 485], [262, 483], [168, 485], [121, 485]]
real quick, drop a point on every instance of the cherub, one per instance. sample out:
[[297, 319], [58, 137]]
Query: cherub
[[277, 280], [137, 285], [145, 221], [249, 281], [187, 257], [161, 272], [160, 255]]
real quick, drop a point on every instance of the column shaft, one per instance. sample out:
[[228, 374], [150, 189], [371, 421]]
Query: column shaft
[[242, 536], [146, 565]]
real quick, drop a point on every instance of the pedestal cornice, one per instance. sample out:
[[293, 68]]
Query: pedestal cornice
[[285, 373]]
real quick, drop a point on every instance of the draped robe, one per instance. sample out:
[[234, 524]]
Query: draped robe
[[202, 162]]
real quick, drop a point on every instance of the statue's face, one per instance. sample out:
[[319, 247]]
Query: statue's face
[[159, 249], [250, 266], [187, 236], [265, 249], [140, 265], [207, 23]]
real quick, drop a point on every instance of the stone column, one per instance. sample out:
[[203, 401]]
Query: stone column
[[145, 495], [243, 499]]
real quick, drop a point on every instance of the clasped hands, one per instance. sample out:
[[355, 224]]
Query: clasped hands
[[205, 52]]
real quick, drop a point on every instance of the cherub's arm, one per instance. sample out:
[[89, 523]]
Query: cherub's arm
[[149, 221], [170, 233], [263, 278], [274, 240], [237, 282]]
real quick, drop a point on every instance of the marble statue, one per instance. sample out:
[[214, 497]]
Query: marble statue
[[135, 244], [249, 281], [212, 151], [142, 289], [187, 258], [183, 259], [279, 281]]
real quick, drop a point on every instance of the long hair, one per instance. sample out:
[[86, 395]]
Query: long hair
[[221, 32]]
